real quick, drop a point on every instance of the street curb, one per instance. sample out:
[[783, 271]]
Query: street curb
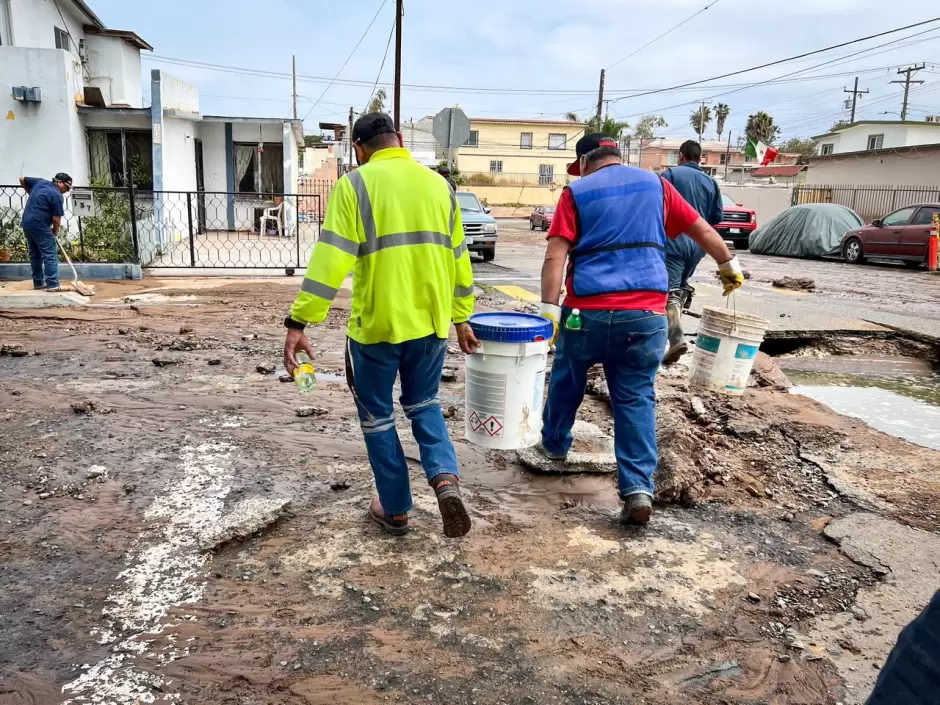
[[20, 271]]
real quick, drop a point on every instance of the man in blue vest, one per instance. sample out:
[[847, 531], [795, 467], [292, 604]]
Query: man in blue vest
[[682, 254], [611, 226]]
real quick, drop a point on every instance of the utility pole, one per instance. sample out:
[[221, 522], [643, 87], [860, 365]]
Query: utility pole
[[855, 94], [728, 155], [907, 73], [399, 13], [625, 155], [294, 75], [600, 99], [349, 137]]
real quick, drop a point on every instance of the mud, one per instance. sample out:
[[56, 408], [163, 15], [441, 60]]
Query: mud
[[110, 594]]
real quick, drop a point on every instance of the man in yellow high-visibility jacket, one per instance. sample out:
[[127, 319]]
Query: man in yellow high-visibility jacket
[[396, 224]]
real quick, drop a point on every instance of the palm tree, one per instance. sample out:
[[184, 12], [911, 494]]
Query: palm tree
[[646, 128], [721, 115], [699, 119], [572, 117], [760, 126], [377, 103], [609, 126]]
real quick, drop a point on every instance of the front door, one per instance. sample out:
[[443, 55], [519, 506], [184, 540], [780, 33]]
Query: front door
[[200, 190], [886, 239], [914, 237]]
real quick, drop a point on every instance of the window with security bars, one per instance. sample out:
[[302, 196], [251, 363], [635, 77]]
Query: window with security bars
[[120, 157], [546, 174], [496, 166], [259, 169]]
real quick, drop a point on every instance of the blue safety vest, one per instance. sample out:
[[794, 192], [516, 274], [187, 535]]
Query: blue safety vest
[[621, 234]]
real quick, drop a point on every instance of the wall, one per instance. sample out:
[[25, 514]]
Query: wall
[[419, 140], [529, 195], [179, 154], [928, 133], [767, 201], [34, 20], [501, 141], [880, 170], [179, 95], [61, 146], [114, 67]]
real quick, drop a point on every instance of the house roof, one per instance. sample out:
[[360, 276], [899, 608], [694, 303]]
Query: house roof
[[85, 10], [131, 38], [908, 123], [522, 121], [707, 145], [933, 146], [784, 170]]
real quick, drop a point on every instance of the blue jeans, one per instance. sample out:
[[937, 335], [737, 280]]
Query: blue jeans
[[911, 675], [630, 346], [43, 259], [370, 372], [682, 257]]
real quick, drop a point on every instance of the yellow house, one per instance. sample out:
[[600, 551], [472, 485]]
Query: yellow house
[[504, 152]]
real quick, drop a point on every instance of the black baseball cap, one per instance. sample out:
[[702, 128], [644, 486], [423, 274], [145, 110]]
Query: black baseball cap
[[587, 144], [372, 125], [63, 177]]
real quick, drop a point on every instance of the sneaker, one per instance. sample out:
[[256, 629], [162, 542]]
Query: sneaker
[[53, 288], [637, 509], [449, 501], [39, 288], [548, 454]]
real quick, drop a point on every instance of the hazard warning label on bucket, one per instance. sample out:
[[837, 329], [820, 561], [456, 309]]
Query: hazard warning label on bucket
[[491, 425]]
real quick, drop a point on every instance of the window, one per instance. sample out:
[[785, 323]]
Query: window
[[557, 141], [672, 157], [828, 148], [898, 217], [525, 141], [875, 141], [546, 174], [722, 158], [61, 39], [119, 157], [473, 140], [496, 166], [924, 216], [468, 202], [259, 171]]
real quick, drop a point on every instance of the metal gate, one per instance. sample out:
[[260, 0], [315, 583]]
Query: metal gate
[[869, 202]]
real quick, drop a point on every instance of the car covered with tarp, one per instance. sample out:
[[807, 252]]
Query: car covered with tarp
[[810, 230]]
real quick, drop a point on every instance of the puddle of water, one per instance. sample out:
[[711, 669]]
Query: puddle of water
[[906, 407]]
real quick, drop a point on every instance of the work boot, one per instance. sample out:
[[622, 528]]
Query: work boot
[[449, 502], [637, 509], [548, 454], [677, 345]]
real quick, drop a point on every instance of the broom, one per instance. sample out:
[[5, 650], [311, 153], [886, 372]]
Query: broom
[[80, 286]]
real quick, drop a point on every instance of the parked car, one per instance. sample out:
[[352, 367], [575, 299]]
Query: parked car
[[737, 222], [541, 217], [902, 235], [479, 228], [807, 230]]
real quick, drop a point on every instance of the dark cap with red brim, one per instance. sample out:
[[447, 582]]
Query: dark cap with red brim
[[588, 144]]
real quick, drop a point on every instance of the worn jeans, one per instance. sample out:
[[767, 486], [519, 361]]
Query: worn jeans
[[43, 258], [370, 372], [630, 346], [911, 675], [682, 257]]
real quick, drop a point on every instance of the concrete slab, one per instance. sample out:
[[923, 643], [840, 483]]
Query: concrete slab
[[40, 299], [91, 271]]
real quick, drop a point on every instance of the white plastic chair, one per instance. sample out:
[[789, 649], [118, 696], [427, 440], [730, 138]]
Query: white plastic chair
[[272, 214]]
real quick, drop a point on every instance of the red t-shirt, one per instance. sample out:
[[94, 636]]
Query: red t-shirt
[[678, 216]]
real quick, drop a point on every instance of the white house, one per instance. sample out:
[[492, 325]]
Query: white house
[[870, 135], [72, 100]]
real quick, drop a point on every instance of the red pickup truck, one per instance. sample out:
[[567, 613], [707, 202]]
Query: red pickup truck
[[737, 223]]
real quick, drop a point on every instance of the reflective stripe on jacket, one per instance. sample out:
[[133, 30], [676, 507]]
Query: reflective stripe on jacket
[[621, 233], [396, 225]]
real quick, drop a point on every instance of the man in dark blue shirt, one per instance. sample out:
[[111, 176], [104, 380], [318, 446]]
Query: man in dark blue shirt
[[42, 218], [682, 254]]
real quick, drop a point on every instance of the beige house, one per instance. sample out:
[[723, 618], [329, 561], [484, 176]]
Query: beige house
[[504, 152]]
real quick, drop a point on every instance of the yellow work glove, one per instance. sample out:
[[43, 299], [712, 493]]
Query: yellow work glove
[[552, 313], [731, 275]]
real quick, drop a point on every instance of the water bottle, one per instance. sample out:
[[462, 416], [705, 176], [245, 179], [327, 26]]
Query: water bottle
[[574, 320], [304, 376]]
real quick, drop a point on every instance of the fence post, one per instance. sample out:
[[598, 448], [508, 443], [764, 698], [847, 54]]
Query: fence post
[[297, 227], [795, 197], [81, 238], [130, 199], [189, 219]]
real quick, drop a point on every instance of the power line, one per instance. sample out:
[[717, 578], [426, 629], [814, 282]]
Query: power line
[[374, 17], [384, 57], [668, 31]]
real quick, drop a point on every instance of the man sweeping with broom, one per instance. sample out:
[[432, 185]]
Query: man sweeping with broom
[[41, 221]]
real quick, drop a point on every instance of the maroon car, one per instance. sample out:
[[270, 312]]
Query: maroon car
[[901, 235], [541, 218]]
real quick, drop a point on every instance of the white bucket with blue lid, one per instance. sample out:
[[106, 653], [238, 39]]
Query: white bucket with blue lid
[[505, 382]]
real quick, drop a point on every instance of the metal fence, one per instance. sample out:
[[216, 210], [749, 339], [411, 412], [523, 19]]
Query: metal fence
[[180, 229], [869, 202]]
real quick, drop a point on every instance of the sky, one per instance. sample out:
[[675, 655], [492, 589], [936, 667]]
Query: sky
[[542, 58]]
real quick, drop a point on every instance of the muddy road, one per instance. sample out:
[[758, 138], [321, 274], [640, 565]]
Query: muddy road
[[175, 532]]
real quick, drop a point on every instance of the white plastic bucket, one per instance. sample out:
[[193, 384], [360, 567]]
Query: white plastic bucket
[[725, 349]]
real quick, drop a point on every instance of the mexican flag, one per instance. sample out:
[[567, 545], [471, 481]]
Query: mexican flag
[[760, 151]]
